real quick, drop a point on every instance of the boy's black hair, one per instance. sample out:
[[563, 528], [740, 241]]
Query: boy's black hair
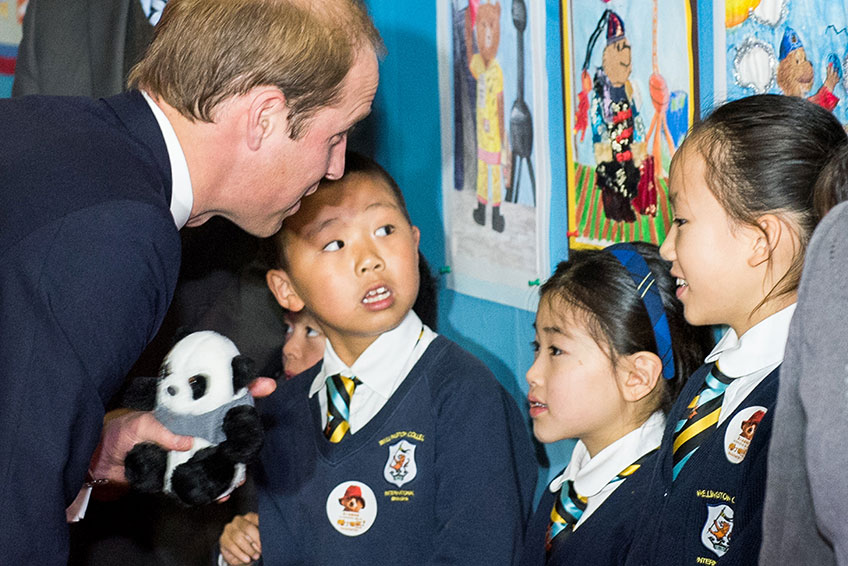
[[273, 253], [600, 287]]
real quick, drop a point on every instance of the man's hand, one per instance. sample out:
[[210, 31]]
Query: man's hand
[[124, 428]]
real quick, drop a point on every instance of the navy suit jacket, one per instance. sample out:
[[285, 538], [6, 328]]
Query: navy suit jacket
[[90, 257]]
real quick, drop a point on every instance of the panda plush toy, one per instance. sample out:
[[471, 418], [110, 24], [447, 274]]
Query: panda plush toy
[[202, 392]]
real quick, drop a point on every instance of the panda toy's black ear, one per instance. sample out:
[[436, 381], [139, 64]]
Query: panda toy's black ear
[[244, 371], [141, 394]]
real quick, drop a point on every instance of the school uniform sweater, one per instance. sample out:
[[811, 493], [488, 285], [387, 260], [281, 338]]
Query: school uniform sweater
[[606, 527], [712, 512], [443, 473]]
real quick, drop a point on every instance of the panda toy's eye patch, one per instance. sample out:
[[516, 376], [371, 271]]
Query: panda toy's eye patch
[[198, 386]]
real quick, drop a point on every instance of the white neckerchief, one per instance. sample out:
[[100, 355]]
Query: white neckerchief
[[750, 358], [182, 198], [381, 368], [592, 476]]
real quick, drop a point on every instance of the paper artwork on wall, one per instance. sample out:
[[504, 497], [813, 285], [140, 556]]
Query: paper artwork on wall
[[782, 47], [11, 16], [630, 94], [496, 173]]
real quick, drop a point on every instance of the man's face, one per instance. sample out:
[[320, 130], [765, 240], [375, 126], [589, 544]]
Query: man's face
[[289, 169]]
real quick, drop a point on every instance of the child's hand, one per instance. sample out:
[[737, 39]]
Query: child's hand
[[240, 540], [262, 386]]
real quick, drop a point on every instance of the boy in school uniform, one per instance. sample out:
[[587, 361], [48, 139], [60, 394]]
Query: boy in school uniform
[[431, 445]]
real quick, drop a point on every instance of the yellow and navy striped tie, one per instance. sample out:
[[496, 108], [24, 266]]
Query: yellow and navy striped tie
[[701, 419], [569, 506], [340, 390]]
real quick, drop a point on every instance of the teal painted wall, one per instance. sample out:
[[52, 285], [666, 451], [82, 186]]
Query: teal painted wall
[[403, 134]]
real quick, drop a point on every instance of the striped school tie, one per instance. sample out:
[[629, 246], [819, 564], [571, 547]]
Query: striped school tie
[[339, 393], [569, 506], [701, 420]]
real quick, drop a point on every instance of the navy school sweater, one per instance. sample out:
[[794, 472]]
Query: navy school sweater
[[712, 513], [444, 473], [603, 538]]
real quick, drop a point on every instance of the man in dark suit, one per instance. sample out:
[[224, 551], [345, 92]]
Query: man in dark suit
[[85, 48], [240, 107]]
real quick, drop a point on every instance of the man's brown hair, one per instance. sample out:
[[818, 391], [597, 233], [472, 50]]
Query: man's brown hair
[[205, 51]]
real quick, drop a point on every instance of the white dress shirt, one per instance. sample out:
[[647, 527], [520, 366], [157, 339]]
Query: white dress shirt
[[182, 197], [592, 476], [381, 368], [750, 358]]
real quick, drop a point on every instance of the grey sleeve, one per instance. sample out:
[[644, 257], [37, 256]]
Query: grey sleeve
[[807, 494]]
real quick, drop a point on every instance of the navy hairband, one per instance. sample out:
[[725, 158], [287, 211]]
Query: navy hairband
[[644, 280]]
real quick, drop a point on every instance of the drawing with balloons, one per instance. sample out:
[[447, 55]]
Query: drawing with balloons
[[785, 47]]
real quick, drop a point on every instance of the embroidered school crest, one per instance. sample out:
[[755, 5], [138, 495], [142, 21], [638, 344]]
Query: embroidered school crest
[[400, 467], [740, 432], [717, 529]]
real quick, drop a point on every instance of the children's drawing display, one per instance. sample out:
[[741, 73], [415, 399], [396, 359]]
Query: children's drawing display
[[629, 97], [496, 178]]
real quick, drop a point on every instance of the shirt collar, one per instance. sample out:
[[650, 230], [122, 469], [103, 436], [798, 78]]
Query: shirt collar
[[591, 475], [182, 198], [381, 364], [761, 346]]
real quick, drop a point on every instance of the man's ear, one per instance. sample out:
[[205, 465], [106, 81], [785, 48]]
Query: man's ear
[[640, 374], [267, 112], [281, 287], [770, 230]]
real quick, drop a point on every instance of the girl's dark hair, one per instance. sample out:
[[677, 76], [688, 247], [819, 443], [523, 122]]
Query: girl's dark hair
[[600, 287], [427, 302], [763, 155], [832, 184]]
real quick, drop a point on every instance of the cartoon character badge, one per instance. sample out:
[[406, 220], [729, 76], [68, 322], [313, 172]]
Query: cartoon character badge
[[400, 467], [717, 529], [740, 432], [351, 508]]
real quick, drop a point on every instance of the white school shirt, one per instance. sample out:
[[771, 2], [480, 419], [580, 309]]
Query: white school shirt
[[182, 200], [381, 368], [592, 476], [750, 358]]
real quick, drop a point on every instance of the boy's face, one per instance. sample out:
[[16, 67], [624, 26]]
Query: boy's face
[[353, 261], [304, 343]]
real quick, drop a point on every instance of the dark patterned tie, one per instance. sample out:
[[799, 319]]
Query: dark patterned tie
[[340, 390], [569, 506], [701, 419]]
